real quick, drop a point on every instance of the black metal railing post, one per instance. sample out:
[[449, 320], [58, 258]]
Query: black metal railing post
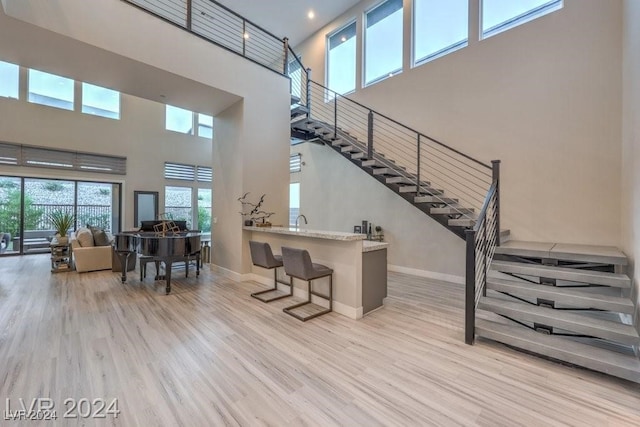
[[308, 93], [470, 288], [189, 13], [484, 249], [496, 180], [418, 169], [335, 117], [370, 135], [285, 42]]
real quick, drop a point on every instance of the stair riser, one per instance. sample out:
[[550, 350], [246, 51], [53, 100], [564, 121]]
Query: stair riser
[[595, 364], [572, 276], [540, 291], [559, 323]]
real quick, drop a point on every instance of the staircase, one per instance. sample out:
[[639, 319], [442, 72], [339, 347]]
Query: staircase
[[564, 302], [407, 180]]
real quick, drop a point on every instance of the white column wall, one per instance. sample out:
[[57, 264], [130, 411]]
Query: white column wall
[[631, 141]]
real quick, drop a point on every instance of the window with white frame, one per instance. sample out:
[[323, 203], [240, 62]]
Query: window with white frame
[[178, 204], [50, 89], [341, 60], [100, 101], [294, 202], [179, 120], [9, 80], [195, 185], [439, 27], [501, 15], [205, 126], [383, 41], [204, 204]]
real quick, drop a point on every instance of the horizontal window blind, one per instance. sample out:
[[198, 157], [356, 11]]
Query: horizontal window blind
[[41, 157], [10, 154], [179, 171], [205, 174], [295, 163]]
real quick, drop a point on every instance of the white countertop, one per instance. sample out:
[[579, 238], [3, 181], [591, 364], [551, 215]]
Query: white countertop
[[304, 232], [370, 246]]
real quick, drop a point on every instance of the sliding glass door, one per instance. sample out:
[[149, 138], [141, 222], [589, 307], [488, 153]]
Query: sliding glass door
[[28, 203], [10, 217]]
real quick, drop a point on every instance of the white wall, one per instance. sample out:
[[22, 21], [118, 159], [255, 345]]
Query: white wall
[[336, 195], [631, 138], [139, 135], [133, 48], [544, 97]]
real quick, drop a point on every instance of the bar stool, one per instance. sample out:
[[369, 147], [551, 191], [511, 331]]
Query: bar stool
[[262, 256], [297, 263]]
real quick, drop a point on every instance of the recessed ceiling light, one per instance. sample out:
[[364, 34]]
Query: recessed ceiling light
[[246, 35], [343, 39], [311, 14]]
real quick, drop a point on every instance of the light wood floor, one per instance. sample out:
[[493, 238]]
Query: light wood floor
[[210, 355]]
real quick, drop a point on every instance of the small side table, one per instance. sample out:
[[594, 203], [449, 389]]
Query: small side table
[[61, 259]]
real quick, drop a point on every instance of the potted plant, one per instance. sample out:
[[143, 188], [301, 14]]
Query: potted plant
[[62, 222]]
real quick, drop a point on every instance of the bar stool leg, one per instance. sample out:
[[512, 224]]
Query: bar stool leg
[[275, 288]]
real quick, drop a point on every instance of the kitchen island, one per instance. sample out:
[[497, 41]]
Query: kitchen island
[[359, 266]]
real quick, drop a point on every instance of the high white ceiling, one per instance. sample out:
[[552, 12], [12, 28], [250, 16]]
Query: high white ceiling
[[288, 18]]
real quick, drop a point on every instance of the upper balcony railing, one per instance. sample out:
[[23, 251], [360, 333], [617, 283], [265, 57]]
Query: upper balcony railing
[[220, 25]]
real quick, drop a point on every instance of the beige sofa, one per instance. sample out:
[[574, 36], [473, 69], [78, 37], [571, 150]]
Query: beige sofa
[[88, 257]]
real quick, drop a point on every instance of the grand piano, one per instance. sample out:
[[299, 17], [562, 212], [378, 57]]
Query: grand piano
[[166, 247]]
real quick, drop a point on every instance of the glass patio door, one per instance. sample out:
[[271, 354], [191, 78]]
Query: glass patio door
[[10, 217]]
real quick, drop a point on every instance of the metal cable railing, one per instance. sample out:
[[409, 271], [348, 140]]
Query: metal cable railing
[[482, 241], [436, 168], [220, 25]]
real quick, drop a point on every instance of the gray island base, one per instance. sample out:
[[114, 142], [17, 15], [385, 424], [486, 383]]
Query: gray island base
[[360, 266]]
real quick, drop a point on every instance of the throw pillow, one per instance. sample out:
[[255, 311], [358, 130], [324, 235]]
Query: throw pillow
[[100, 238], [85, 237]]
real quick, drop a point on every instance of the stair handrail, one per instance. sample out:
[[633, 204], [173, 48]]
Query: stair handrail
[[377, 113], [240, 38], [455, 172], [481, 243]]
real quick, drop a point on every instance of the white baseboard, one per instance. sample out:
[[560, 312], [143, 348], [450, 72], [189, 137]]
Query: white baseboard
[[229, 273], [427, 274]]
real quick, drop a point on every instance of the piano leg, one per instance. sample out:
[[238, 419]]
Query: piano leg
[[167, 275], [198, 259], [124, 262]]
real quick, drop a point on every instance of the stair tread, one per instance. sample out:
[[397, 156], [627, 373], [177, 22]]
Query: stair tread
[[562, 273], [561, 295], [598, 359], [434, 199], [461, 222], [565, 252], [562, 319], [451, 210]]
